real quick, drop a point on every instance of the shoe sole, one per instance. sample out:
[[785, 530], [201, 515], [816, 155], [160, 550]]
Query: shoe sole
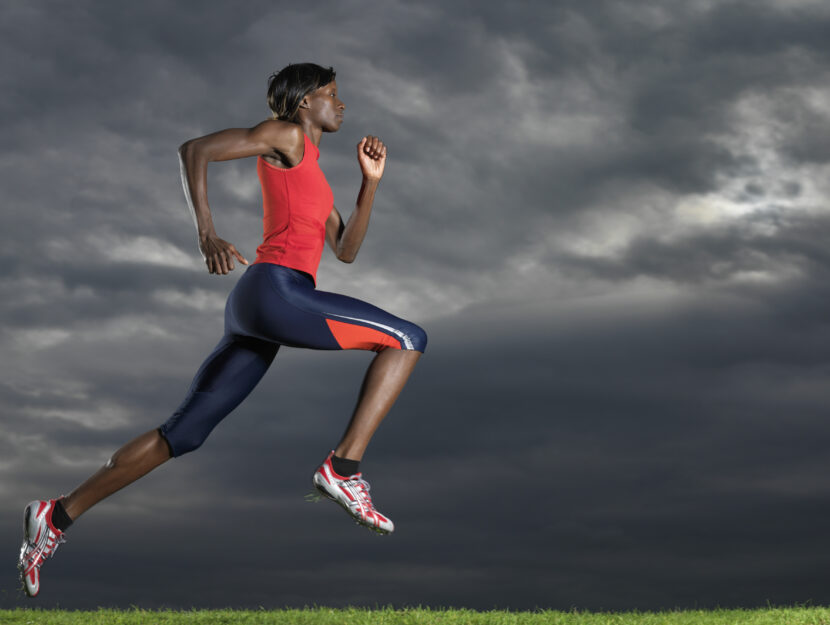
[[21, 562], [322, 490]]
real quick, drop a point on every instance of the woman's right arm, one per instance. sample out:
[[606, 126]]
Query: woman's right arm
[[272, 137]]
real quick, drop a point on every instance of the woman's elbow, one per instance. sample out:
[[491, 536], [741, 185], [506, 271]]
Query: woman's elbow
[[193, 153], [346, 258], [185, 148], [345, 255]]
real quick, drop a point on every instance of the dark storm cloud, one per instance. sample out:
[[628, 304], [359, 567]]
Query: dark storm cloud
[[675, 81], [610, 217]]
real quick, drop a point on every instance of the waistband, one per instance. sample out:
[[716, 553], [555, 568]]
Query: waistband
[[275, 268]]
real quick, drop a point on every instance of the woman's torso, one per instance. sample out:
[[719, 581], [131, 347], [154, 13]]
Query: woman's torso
[[296, 204]]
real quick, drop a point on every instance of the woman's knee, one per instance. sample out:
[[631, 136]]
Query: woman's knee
[[181, 443], [184, 445], [417, 337], [183, 434]]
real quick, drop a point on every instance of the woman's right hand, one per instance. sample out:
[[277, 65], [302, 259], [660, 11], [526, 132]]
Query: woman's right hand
[[219, 254]]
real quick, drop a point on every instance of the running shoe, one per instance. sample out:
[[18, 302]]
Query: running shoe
[[352, 493], [40, 540]]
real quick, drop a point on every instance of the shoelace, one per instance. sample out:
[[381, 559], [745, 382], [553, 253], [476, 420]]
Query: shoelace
[[360, 488], [59, 540], [39, 554]]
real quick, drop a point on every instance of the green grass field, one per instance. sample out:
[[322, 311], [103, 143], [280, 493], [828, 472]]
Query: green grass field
[[388, 616]]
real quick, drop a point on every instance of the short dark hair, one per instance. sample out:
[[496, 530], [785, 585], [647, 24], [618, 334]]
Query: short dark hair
[[288, 87]]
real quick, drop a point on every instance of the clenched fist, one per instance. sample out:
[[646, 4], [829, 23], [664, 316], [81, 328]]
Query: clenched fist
[[371, 154]]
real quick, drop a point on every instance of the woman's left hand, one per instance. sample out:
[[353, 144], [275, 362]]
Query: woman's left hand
[[371, 154]]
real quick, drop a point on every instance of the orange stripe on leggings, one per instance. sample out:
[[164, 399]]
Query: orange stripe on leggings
[[350, 336]]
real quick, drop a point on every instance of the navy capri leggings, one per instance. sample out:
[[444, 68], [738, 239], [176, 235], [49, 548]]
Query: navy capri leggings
[[270, 306]]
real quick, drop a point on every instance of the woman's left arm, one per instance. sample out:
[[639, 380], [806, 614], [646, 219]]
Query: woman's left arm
[[346, 239]]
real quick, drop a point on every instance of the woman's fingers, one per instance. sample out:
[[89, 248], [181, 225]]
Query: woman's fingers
[[220, 261], [239, 256], [214, 264], [372, 146], [376, 148]]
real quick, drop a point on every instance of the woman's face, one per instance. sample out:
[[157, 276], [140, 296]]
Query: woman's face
[[325, 108]]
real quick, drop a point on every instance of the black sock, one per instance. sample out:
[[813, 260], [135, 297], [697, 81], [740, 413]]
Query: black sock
[[344, 466], [60, 519]]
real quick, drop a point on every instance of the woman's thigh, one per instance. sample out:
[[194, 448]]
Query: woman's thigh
[[279, 304]]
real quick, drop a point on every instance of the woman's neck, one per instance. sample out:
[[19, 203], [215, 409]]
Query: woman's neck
[[313, 132]]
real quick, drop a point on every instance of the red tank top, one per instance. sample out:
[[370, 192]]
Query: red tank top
[[296, 204]]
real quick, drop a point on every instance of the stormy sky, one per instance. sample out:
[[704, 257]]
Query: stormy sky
[[611, 217]]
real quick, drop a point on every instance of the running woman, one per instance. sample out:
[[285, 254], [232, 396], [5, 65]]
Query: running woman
[[274, 303]]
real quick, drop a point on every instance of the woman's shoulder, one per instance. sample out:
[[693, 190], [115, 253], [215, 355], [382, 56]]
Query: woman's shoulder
[[285, 141], [281, 135]]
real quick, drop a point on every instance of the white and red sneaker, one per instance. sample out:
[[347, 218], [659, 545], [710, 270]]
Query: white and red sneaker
[[352, 493], [40, 540]]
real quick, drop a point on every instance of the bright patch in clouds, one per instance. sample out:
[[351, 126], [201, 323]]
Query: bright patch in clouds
[[143, 249], [41, 338], [198, 299], [95, 415]]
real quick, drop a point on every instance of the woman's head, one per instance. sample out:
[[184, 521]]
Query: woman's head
[[288, 87]]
